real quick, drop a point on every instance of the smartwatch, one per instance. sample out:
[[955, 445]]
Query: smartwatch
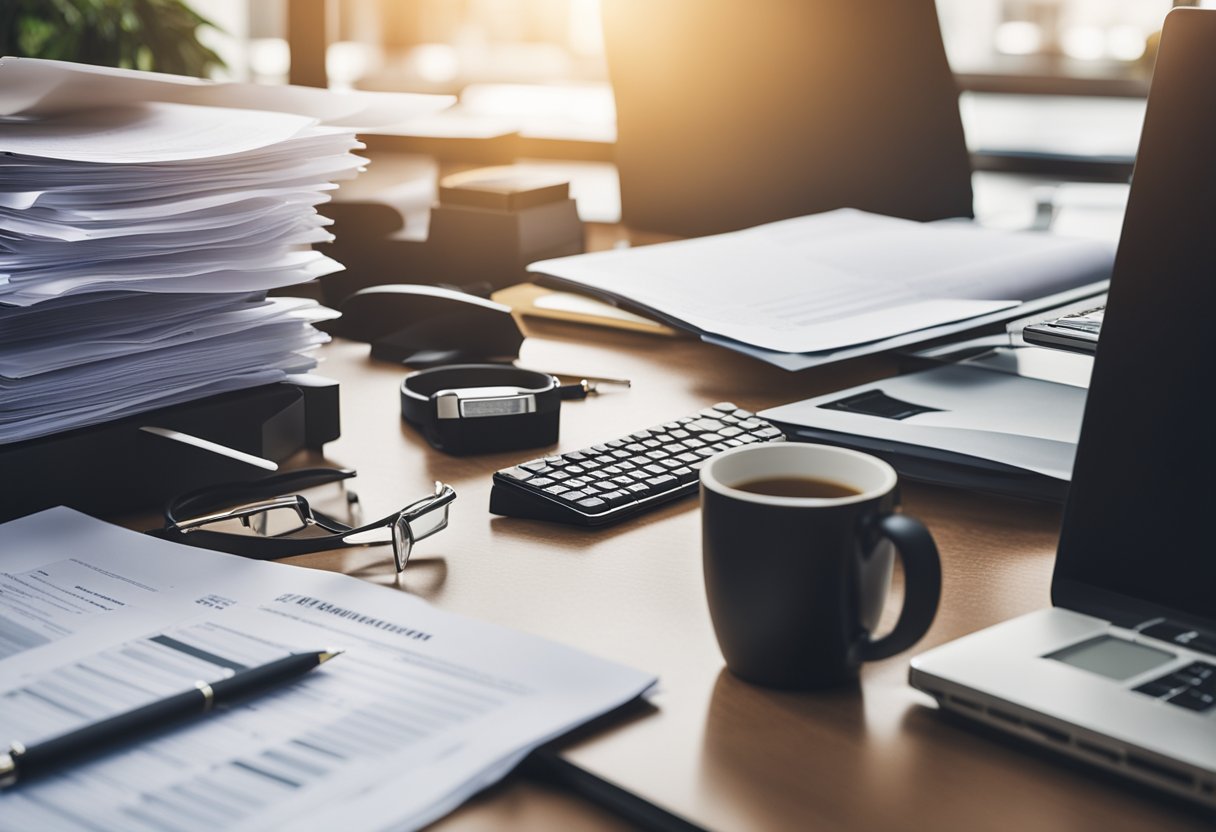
[[480, 408]]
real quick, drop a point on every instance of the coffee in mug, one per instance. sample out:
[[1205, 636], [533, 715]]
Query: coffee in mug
[[797, 487]]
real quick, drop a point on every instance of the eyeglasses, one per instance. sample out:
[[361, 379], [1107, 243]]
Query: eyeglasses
[[264, 519]]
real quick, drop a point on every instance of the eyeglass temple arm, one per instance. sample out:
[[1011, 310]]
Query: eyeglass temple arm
[[206, 500]]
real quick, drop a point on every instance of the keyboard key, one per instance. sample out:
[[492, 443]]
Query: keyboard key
[[616, 498], [1165, 631], [1182, 679], [1156, 688], [1193, 700], [1202, 644]]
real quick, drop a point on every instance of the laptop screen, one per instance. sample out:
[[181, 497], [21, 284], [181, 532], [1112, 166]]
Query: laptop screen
[[1139, 535]]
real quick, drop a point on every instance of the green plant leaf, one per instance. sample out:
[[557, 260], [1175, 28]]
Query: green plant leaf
[[160, 35]]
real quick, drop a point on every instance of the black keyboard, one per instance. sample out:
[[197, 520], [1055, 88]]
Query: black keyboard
[[614, 480]]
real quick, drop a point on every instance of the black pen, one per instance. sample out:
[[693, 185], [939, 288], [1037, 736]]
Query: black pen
[[21, 762]]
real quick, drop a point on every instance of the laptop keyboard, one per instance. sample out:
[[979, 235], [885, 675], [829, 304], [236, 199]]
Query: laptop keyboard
[[1181, 635], [1193, 687]]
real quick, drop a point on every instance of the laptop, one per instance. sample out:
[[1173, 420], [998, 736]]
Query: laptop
[[1121, 670], [1074, 330]]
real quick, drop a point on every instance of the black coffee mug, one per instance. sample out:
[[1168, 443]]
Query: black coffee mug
[[796, 584]]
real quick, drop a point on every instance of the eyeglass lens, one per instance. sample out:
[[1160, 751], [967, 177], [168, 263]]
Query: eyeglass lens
[[403, 542]]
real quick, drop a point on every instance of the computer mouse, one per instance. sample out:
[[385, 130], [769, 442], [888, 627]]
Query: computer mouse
[[423, 325]]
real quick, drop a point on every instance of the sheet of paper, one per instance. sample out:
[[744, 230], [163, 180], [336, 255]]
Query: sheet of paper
[[806, 360], [422, 710], [150, 133], [31, 87], [835, 280]]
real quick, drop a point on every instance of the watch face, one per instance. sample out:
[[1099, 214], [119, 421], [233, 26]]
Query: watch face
[[468, 409], [472, 408]]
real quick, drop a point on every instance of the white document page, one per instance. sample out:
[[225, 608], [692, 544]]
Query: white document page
[[423, 709], [30, 87], [837, 279], [150, 133], [805, 360]]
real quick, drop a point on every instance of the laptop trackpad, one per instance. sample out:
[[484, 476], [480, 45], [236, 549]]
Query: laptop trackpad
[[1112, 657]]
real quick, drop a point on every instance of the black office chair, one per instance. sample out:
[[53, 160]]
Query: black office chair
[[731, 113]]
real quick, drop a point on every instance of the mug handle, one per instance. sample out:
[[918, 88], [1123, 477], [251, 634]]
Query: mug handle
[[922, 586]]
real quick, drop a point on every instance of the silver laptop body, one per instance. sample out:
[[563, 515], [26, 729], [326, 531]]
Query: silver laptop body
[[1121, 671]]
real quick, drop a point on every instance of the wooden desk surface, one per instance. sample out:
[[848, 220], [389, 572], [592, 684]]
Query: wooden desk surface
[[717, 750]]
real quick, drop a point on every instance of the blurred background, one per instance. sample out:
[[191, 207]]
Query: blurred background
[[1042, 80], [1050, 88], [446, 45]]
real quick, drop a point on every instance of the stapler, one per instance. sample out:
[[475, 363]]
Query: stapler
[[429, 325]]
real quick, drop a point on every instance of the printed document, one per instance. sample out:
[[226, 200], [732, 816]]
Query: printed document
[[835, 280], [422, 710]]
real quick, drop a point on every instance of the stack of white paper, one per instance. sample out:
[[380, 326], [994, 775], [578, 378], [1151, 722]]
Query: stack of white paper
[[138, 239]]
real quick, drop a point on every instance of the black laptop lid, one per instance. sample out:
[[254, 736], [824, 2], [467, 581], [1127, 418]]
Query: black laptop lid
[[1139, 535]]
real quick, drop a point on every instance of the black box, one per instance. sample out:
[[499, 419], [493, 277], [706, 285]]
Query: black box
[[116, 467]]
